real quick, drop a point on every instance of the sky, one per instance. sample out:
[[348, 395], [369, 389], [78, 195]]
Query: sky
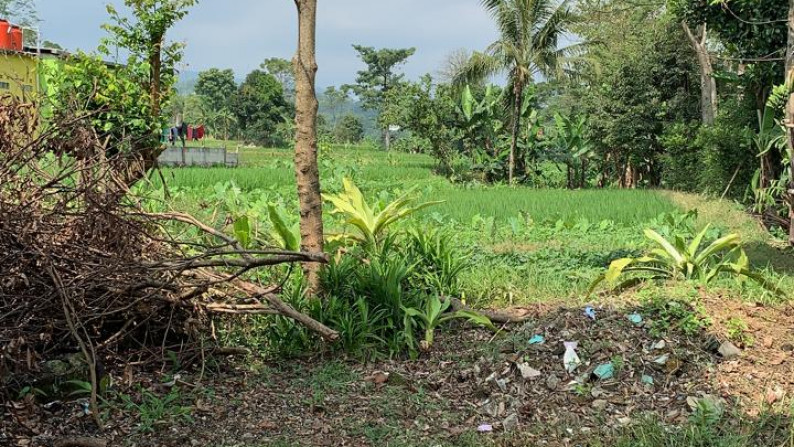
[[240, 34]]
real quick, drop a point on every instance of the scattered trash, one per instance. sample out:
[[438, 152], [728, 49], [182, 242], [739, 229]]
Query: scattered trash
[[635, 319], [646, 379], [605, 371], [537, 340], [662, 360], [590, 313], [485, 428], [660, 345], [570, 359], [527, 372], [728, 350], [510, 423], [502, 384]]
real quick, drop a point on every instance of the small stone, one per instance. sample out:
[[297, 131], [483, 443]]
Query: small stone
[[728, 350], [769, 342], [510, 423], [624, 420], [600, 404], [787, 347], [553, 382]]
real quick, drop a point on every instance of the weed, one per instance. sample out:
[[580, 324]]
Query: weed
[[153, 409], [737, 331], [684, 314]]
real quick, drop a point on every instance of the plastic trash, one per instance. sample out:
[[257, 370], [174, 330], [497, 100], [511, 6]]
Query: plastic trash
[[485, 428], [646, 379], [527, 372], [537, 340], [571, 359], [605, 371], [590, 312], [635, 318], [662, 360]]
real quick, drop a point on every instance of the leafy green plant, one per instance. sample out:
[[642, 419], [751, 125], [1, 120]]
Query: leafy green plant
[[153, 409], [371, 221], [434, 315], [438, 263], [285, 234], [737, 331], [675, 313], [681, 260]]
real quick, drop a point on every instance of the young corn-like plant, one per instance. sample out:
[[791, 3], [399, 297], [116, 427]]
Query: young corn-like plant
[[677, 259], [371, 222], [434, 315]]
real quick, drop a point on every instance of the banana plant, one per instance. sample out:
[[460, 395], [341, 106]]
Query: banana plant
[[371, 221], [434, 315], [689, 261]]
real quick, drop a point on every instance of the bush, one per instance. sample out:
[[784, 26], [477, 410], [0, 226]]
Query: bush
[[727, 154], [683, 161]]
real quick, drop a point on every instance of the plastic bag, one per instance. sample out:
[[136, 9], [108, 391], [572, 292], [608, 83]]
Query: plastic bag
[[571, 359]]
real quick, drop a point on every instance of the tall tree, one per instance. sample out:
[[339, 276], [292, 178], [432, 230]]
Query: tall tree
[[335, 99], [282, 70], [144, 38], [217, 88], [708, 84], [260, 106], [373, 84], [789, 121], [529, 45], [306, 167]]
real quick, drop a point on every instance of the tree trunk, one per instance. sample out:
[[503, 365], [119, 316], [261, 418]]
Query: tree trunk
[[306, 167], [708, 85], [789, 120], [517, 99]]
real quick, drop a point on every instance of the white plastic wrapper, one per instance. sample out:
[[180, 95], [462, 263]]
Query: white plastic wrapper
[[571, 359]]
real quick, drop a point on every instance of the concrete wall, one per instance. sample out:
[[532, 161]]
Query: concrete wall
[[198, 156]]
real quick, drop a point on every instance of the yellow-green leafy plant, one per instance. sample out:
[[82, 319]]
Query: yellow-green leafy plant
[[678, 259], [370, 222]]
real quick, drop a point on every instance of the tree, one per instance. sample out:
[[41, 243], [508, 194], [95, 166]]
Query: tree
[[789, 120], [282, 70], [217, 88], [708, 84], [373, 84], [335, 100], [528, 45], [349, 130], [260, 106], [144, 39], [306, 167]]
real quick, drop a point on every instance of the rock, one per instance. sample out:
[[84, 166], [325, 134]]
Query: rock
[[527, 372], [728, 350], [787, 347], [553, 382], [510, 423], [600, 404], [769, 342]]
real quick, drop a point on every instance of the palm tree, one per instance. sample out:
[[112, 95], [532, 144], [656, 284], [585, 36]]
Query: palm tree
[[528, 46]]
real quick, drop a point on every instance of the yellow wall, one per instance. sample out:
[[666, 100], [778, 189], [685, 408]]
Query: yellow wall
[[18, 75]]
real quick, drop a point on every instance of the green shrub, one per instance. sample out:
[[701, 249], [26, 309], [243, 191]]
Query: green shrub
[[683, 162]]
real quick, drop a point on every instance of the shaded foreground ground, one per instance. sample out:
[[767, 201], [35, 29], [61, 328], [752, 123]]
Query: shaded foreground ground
[[472, 378]]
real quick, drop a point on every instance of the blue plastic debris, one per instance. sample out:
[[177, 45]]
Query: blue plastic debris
[[648, 380], [537, 340], [605, 371], [590, 312], [635, 319]]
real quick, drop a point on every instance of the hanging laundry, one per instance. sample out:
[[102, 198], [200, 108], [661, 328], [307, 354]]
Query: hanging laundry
[[200, 132], [190, 133]]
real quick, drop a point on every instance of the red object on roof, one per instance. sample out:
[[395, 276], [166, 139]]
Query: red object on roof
[[17, 38], [5, 35]]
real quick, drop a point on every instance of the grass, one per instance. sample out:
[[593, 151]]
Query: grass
[[528, 245]]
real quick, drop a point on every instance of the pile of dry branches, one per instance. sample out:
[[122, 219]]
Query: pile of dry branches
[[84, 269]]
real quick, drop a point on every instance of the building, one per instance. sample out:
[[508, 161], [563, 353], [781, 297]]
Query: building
[[22, 72]]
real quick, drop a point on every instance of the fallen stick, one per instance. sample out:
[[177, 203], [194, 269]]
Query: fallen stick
[[494, 316]]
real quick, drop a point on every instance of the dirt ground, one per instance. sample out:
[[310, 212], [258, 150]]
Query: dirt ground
[[475, 388]]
